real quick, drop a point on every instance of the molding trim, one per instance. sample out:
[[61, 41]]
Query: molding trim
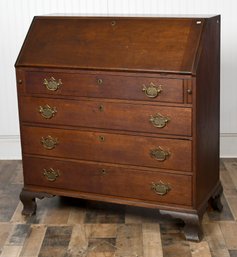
[[228, 145], [10, 148]]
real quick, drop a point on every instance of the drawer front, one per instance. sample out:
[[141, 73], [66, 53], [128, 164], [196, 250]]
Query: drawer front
[[105, 86], [105, 147], [107, 115], [108, 180]]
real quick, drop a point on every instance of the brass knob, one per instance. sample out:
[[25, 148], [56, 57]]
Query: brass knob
[[101, 138], [52, 84], [159, 154], [159, 121], [51, 174], [47, 112], [113, 23], [160, 188], [189, 91], [49, 142], [99, 81], [19, 81], [152, 91]]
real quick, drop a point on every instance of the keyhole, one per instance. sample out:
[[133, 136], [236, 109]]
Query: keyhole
[[103, 172], [101, 138], [101, 108], [99, 81]]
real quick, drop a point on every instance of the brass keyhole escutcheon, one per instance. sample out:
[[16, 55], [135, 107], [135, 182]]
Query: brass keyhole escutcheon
[[152, 91], [101, 108], [99, 81], [51, 174], [49, 142], [101, 138], [47, 112], [113, 23], [160, 188], [52, 84], [159, 154], [103, 172], [159, 121]]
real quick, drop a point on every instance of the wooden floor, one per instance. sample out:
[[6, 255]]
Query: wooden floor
[[77, 228]]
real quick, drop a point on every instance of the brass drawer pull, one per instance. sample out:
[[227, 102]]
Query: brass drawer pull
[[159, 154], [52, 84], [152, 91], [47, 112], [51, 174], [160, 188], [49, 142], [159, 121]]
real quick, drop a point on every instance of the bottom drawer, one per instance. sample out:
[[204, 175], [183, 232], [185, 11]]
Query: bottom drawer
[[110, 180]]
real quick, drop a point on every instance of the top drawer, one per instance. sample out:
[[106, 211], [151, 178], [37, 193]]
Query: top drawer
[[103, 85]]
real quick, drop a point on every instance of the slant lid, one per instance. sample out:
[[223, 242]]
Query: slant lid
[[154, 44]]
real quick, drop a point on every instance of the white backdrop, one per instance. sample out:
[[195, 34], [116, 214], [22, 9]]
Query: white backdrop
[[16, 16]]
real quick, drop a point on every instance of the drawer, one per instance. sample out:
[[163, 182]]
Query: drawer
[[105, 86], [107, 147], [108, 180], [107, 115]]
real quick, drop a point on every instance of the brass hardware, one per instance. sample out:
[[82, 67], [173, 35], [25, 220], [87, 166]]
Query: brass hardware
[[99, 81], [101, 108], [160, 188], [19, 81], [47, 112], [49, 142], [159, 121], [152, 91], [52, 84], [103, 172], [113, 23], [51, 174], [189, 91], [101, 138], [159, 154], [198, 22]]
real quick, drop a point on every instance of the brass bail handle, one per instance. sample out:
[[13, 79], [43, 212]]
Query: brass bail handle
[[160, 188], [159, 154], [47, 112], [49, 142], [159, 121], [52, 84], [152, 91], [51, 174]]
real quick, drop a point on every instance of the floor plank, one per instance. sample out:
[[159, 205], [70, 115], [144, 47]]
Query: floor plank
[[129, 240], [34, 241], [56, 241], [216, 240], [78, 245], [152, 245], [200, 249], [229, 231]]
